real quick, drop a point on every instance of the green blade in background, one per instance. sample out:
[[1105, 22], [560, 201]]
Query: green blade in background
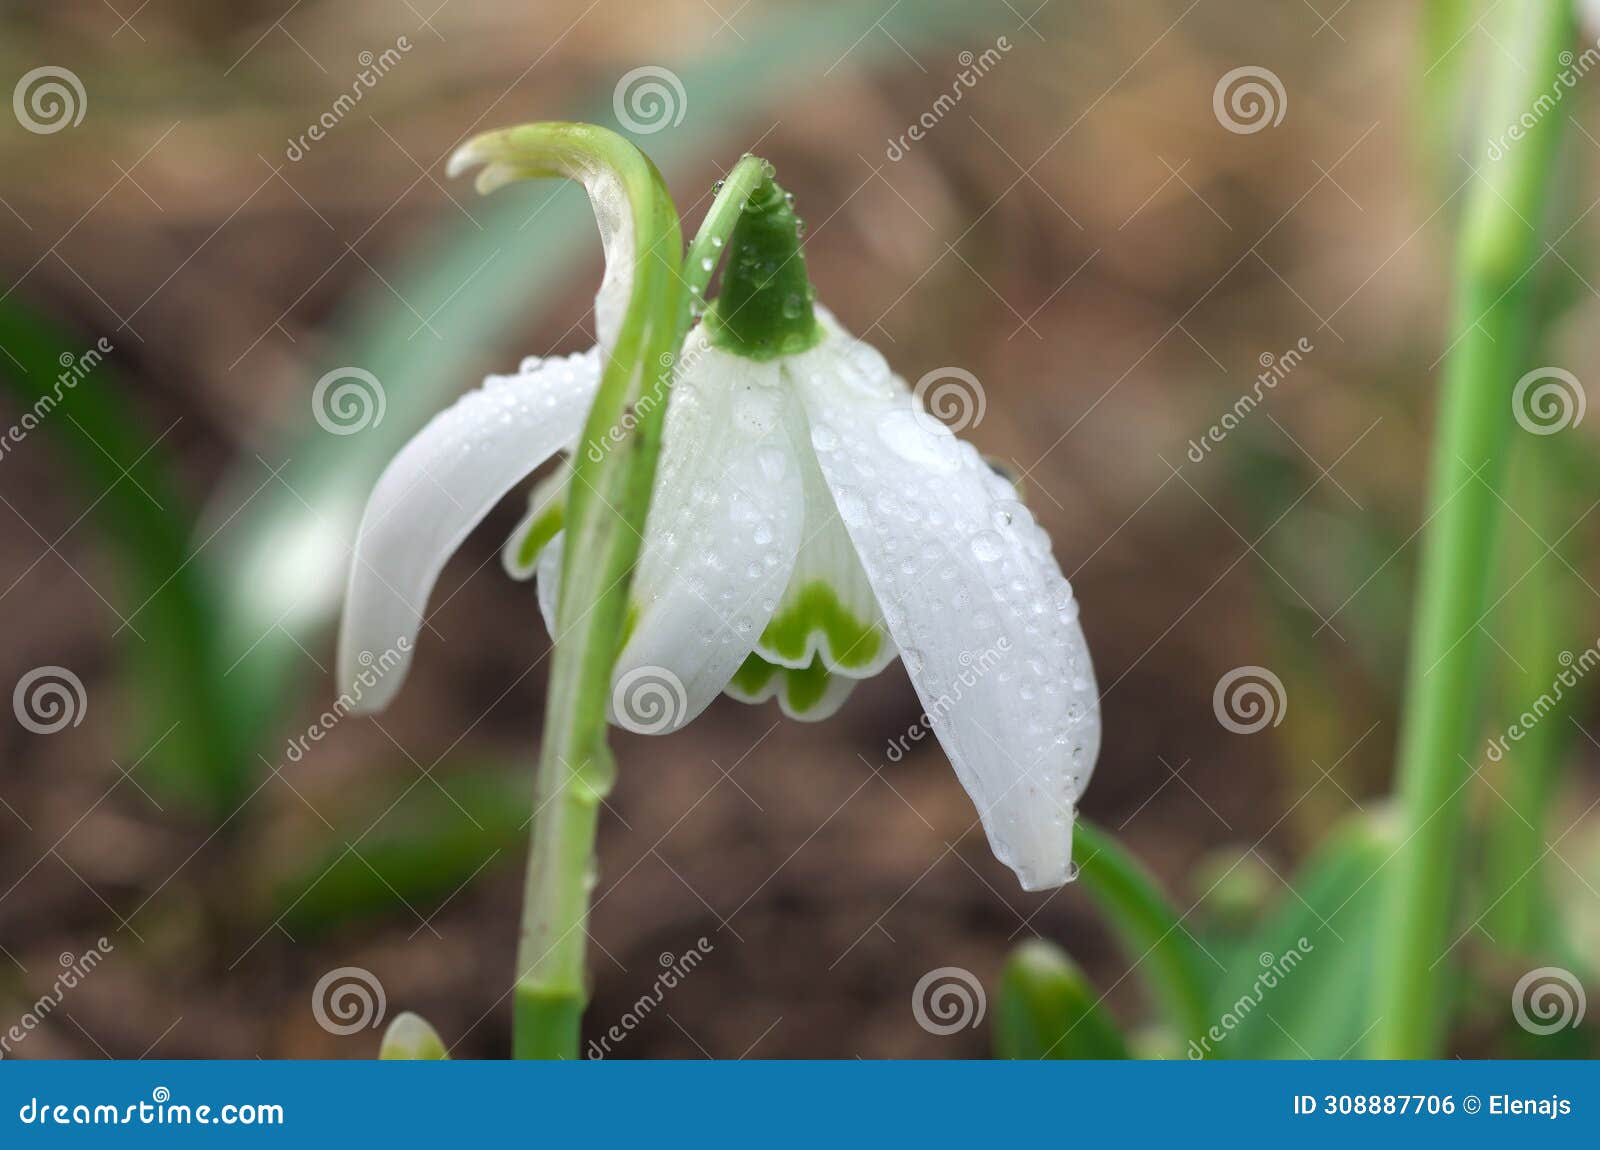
[[1047, 1008], [187, 711], [1319, 1002], [284, 554], [1150, 930], [430, 841]]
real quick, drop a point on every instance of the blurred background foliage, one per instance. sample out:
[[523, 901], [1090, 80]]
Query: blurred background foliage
[[1079, 232]]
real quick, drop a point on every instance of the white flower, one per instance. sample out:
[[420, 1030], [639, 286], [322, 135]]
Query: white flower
[[809, 523]]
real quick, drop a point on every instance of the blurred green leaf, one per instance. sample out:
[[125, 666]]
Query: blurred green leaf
[[1047, 1008], [1301, 987], [1150, 930], [411, 1038], [285, 553], [430, 841], [187, 706]]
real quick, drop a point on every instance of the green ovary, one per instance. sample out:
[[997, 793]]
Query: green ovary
[[539, 533], [852, 642]]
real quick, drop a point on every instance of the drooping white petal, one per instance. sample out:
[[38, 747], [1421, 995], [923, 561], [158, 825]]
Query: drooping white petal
[[724, 525], [986, 624], [435, 492]]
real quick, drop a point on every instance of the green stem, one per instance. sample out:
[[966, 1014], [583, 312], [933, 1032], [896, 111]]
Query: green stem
[[609, 498], [1151, 930], [1537, 606], [608, 502], [1444, 689]]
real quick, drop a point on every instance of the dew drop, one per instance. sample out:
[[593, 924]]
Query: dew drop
[[987, 546]]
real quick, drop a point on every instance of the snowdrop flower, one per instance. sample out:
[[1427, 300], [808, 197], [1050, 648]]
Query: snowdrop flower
[[810, 522]]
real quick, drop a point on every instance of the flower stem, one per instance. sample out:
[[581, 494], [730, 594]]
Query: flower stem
[[610, 496], [608, 501], [1493, 314]]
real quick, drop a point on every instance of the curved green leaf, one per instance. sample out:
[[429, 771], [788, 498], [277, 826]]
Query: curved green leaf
[[1047, 1008], [71, 394]]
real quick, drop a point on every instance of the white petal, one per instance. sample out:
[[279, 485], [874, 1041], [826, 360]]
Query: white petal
[[435, 492], [724, 526], [829, 610], [986, 625]]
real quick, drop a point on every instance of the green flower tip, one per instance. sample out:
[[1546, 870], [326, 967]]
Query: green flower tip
[[410, 1039], [764, 309]]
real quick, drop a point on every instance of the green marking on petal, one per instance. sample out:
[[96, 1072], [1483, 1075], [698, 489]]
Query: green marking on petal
[[853, 642], [804, 689], [753, 675]]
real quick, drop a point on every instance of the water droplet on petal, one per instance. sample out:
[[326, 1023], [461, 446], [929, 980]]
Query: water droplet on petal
[[988, 546]]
